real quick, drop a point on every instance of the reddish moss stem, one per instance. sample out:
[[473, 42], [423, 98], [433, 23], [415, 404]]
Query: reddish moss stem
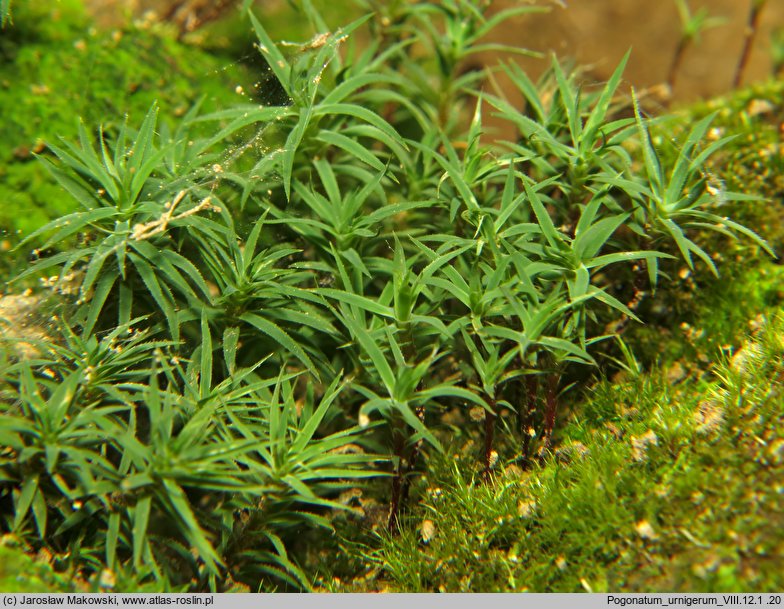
[[527, 417], [411, 463], [489, 437], [551, 407], [677, 60], [748, 43], [393, 523]]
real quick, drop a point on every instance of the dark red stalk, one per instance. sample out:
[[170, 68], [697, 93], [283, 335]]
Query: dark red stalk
[[411, 462], [677, 60], [393, 523], [748, 43], [527, 416], [551, 406], [489, 436], [639, 283]]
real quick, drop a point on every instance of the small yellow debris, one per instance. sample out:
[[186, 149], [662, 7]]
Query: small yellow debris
[[477, 413], [348, 449], [641, 443], [364, 420], [759, 106], [645, 530], [776, 452], [213, 289], [675, 373], [662, 490], [572, 451], [155, 227], [427, 530], [561, 563], [513, 471], [758, 323], [715, 189], [745, 357], [318, 41], [239, 90], [709, 416], [44, 556], [352, 495], [493, 459], [527, 508]]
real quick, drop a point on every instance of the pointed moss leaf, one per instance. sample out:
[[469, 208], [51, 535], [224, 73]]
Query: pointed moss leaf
[[25, 499], [141, 519], [279, 336], [231, 337], [277, 62], [363, 114], [352, 147], [290, 150], [598, 115]]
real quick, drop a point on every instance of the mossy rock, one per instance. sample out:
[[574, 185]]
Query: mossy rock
[[57, 69]]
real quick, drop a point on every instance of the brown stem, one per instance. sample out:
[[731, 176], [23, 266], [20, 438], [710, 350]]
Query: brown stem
[[397, 483], [413, 456], [677, 60], [188, 15], [411, 462], [489, 436], [639, 282], [751, 33], [551, 406], [527, 418]]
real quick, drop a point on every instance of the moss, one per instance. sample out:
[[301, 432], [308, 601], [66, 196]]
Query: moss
[[662, 481], [41, 23], [695, 314], [753, 162], [655, 487], [20, 572], [59, 69], [668, 481]]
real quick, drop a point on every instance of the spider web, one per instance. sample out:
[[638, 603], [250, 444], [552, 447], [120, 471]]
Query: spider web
[[252, 143]]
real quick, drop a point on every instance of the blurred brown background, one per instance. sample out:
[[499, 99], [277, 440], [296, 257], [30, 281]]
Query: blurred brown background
[[595, 32], [598, 32]]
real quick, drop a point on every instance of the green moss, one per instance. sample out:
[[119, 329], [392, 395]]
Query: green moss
[[42, 22], [59, 70], [753, 162], [657, 482], [19, 572], [695, 314], [655, 487], [668, 481]]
